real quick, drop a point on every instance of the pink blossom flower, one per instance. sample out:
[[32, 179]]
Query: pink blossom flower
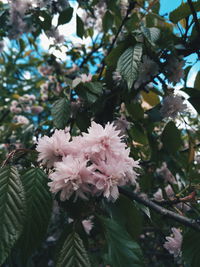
[[71, 175], [173, 244], [103, 141], [94, 163], [52, 149], [21, 119]]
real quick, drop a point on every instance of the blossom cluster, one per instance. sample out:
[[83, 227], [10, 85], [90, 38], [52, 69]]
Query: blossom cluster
[[18, 10], [93, 163], [172, 105], [95, 20], [24, 104], [174, 69]]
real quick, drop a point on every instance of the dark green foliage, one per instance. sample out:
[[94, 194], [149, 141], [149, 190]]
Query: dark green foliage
[[171, 138], [122, 250], [39, 207], [12, 210], [61, 113], [65, 16], [191, 248], [73, 253]]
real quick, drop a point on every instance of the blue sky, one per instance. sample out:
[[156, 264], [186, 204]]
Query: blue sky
[[168, 5]]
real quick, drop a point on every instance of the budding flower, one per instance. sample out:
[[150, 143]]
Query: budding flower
[[87, 225]]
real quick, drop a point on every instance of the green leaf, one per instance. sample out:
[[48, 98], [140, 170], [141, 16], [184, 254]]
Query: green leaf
[[65, 16], [83, 121], [12, 210], [191, 248], [195, 101], [39, 206], [95, 87], [152, 34], [194, 94], [171, 138], [135, 110], [197, 81], [183, 11], [128, 64], [154, 113], [123, 251], [107, 21], [79, 27], [138, 134], [46, 22], [89, 91], [130, 215], [73, 253], [61, 113]]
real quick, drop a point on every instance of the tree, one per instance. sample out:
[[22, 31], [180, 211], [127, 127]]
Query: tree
[[99, 151]]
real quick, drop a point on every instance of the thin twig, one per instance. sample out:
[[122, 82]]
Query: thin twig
[[163, 211], [197, 25], [12, 154]]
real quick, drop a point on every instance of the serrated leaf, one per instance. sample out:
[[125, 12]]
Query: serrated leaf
[[152, 34], [123, 251], [94, 87], [60, 113], [73, 253], [79, 27], [128, 64], [65, 16], [12, 210], [171, 137], [183, 11], [39, 206]]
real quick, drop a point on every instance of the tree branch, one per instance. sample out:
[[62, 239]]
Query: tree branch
[[94, 49], [163, 211]]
